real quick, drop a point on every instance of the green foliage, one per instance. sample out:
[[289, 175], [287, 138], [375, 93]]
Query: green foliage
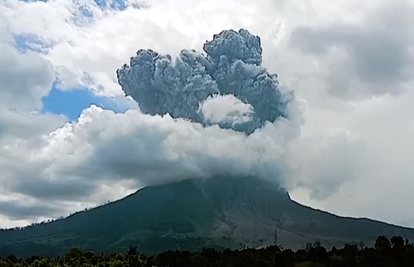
[[193, 214], [396, 252]]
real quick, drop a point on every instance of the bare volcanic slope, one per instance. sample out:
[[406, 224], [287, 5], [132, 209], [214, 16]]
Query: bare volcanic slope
[[218, 212]]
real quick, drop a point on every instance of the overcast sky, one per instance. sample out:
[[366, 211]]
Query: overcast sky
[[69, 139]]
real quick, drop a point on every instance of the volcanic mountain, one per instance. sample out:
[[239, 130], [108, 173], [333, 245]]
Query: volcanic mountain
[[192, 214]]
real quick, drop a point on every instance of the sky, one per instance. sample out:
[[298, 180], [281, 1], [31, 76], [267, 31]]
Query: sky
[[70, 139]]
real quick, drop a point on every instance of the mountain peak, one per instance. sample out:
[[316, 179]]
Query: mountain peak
[[195, 213]]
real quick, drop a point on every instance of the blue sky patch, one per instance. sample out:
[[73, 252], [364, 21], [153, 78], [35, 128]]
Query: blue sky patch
[[31, 42], [71, 102], [114, 4]]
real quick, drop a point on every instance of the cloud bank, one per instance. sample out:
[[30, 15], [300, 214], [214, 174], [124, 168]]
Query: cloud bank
[[147, 149], [371, 58]]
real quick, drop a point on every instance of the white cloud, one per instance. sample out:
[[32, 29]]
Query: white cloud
[[322, 164], [364, 58], [103, 145], [353, 156], [223, 108], [25, 78], [25, 74]]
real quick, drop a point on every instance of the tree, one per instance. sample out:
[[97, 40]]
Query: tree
[[382, 243], [397, 242], [133, 250]]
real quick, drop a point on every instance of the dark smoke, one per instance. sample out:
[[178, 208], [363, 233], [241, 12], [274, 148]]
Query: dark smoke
[[232, 65]]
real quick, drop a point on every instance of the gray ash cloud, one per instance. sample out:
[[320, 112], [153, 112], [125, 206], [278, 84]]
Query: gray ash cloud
[[231, 65]]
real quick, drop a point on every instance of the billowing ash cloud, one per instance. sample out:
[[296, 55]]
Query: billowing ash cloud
[[231, 65]]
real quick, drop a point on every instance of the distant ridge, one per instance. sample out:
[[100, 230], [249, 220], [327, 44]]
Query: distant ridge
[[192, 214]]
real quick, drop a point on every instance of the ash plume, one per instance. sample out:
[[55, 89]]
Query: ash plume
[[231, 66]]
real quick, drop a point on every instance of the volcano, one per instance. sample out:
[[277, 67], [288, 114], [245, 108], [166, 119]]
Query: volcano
[[189, 215]]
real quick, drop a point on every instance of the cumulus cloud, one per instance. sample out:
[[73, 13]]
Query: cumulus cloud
[[225, 108], [25, 78], [155, 149], [352, 156], [147, 150], [322, 166], [36, 76], [158, 148]]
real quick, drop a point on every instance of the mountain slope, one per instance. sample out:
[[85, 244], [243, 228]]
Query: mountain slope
[[220, 212]]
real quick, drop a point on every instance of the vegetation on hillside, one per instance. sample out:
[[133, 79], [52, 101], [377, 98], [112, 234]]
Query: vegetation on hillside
[[218, 212], [387, 252]]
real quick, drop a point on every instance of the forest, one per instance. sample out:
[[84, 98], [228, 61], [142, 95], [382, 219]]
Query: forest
[[393, 252]]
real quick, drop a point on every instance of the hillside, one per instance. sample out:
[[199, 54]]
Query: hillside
[[218, 212]]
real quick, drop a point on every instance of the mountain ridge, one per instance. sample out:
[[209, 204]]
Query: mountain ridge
[[220, 212]]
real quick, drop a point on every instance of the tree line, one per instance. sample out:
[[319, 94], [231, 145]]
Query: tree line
[[393, 252]]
